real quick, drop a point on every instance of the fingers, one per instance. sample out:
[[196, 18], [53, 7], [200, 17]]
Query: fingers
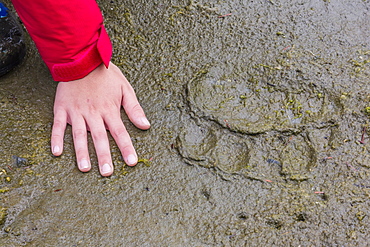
[[80, 143], [123, 140], [57, 133], [93, 104], [133, 109], [101, 143], [100, 138]]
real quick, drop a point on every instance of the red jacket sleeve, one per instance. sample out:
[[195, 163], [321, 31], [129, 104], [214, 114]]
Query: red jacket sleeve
[[69, 35]]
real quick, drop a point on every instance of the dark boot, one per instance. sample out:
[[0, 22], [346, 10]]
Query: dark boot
[[12, 47]]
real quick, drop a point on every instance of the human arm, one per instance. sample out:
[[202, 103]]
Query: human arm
[[72, 41]]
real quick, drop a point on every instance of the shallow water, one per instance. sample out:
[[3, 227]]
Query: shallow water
[[256, 122]]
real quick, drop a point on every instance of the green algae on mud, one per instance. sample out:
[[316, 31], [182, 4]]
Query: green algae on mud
[[3, 214], [256, 102]]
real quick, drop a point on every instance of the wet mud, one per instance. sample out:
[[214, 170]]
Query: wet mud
[[260, 136]]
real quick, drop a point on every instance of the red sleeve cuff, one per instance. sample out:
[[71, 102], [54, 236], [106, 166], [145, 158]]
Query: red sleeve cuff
[[88, 59]]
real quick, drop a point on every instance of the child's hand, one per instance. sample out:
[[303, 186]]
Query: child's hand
[[93, 104]]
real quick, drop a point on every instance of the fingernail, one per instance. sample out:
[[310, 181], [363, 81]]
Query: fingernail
[[131, 159], [56, 149], [106, 168], [84, 164], [145, 121]]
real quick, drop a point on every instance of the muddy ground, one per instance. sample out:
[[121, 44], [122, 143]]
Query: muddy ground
[[259, 137]]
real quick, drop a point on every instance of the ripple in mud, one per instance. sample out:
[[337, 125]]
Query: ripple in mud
[[250, 109], [209, 148]]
